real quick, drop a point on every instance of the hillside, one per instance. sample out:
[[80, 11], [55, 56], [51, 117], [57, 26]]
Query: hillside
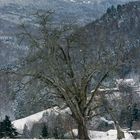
[[91, 72], [13, 13], [118, 27], [77, 11]]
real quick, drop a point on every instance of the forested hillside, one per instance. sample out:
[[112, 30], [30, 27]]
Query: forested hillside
[[76, 61]]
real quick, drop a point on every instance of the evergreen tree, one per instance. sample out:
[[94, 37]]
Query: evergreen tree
[[119, 7], [8, 131], [1, 130], [113, 9], [45, 131], [135, 112], [55, 134], [108, 10]]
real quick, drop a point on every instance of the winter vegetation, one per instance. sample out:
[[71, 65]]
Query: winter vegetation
[[69, 69]]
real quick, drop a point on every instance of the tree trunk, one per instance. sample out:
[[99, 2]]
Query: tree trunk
[[120, 133], [82, 130]]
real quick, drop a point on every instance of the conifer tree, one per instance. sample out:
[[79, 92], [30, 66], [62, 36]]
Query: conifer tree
[[135, 112], [108, 10], [1, 130], [119, 7], [8, 131], [45, 131], [55, 134]]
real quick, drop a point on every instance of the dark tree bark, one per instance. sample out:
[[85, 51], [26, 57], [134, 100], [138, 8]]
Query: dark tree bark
[[82, 130]]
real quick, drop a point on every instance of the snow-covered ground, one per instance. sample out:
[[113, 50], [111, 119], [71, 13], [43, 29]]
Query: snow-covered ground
[[109, 135], [95, 135]]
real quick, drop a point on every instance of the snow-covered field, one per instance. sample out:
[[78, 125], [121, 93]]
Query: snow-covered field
[[109, 135]]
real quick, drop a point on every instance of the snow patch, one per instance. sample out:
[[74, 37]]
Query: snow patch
[[107, 121], [130, 82]]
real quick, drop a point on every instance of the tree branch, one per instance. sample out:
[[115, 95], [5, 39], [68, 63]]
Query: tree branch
[[94, 92]]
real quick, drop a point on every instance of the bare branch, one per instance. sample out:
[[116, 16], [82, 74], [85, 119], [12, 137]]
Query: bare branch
[[96, 89]]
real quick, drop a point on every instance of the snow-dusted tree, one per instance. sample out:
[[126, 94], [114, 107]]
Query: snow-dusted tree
[[26, 132], [69, 70], [129, 101], [110, 110]]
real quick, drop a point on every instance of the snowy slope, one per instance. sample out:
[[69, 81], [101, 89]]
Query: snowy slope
[[19, 124], [30, 120]]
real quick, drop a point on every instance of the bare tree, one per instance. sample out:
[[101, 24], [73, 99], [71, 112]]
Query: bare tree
[[110, 110], [68, 70]]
